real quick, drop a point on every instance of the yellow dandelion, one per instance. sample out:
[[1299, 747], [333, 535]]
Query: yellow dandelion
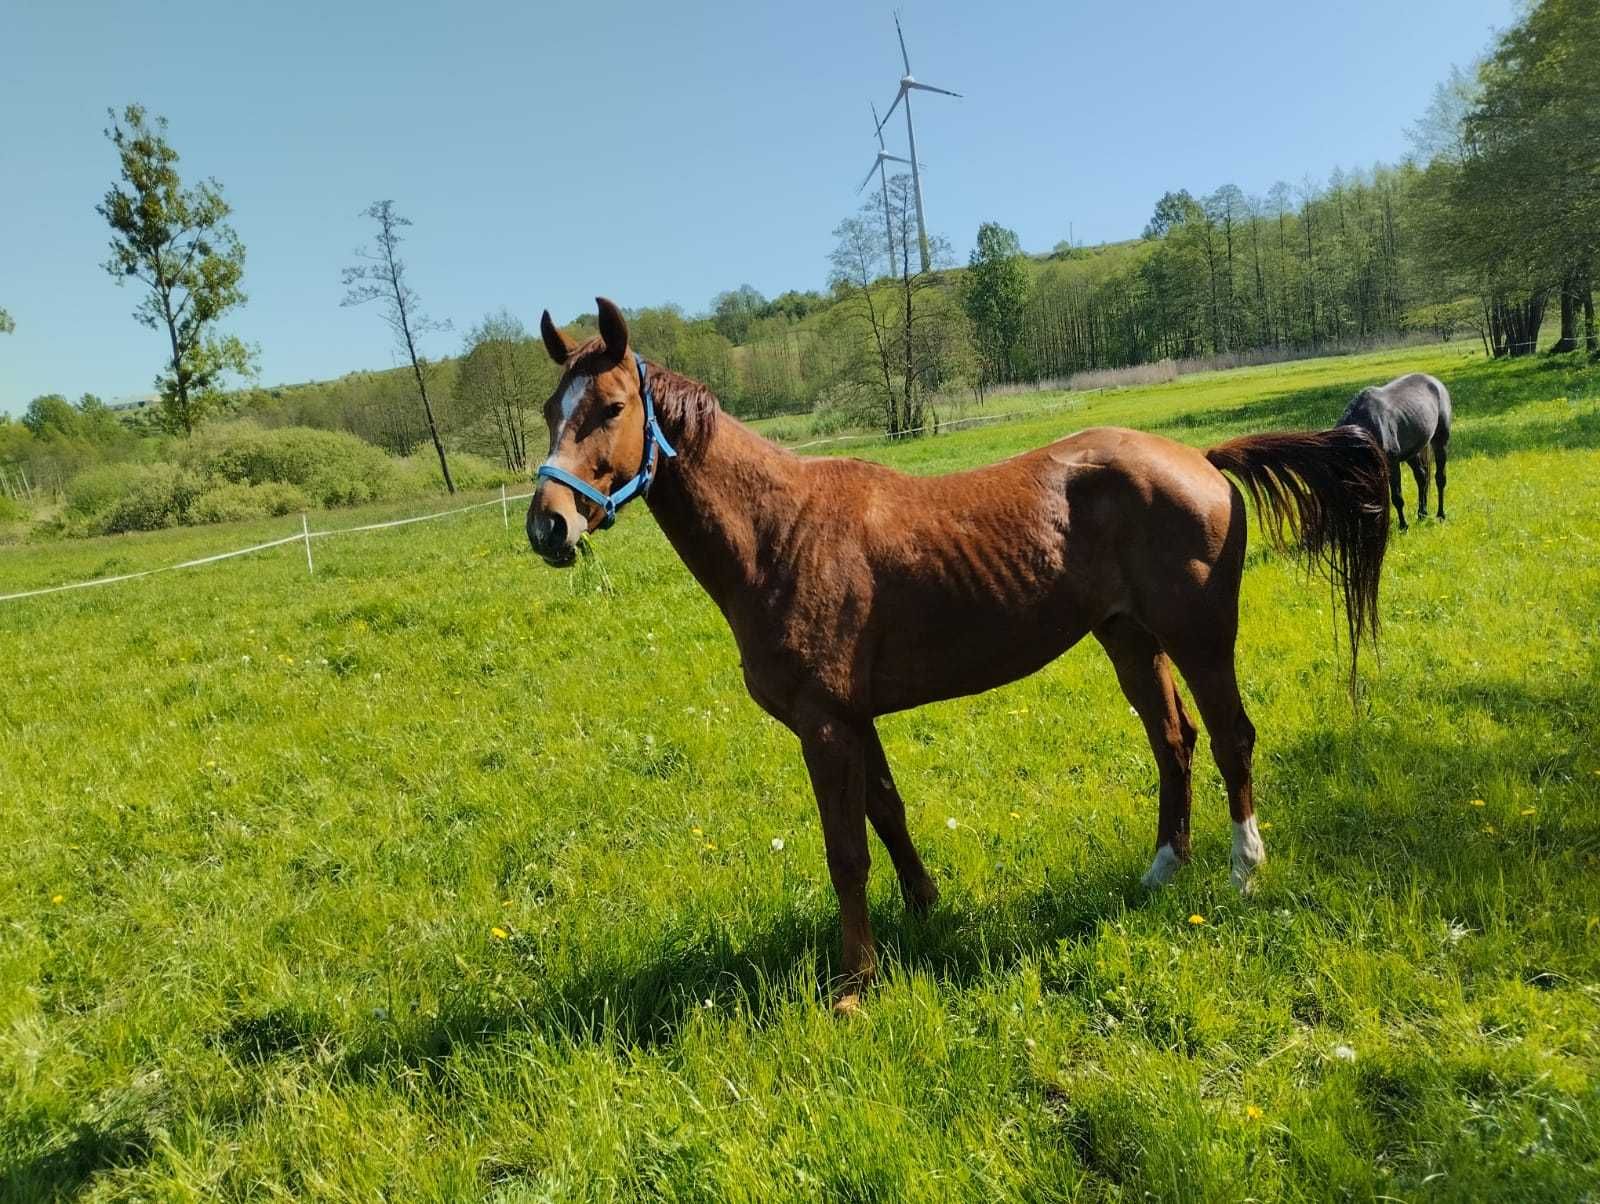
[[211, 764], [505, 902], [1477, 802], [499, 933], [1265, 825], [1197, 919], [695, 831], [1488, 829], [711, 846], [1526, 811], [58, 898], [1253, 1113], [1016, 815]]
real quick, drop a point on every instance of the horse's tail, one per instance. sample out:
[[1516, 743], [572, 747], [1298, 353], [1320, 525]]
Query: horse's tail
[[1324, 495]]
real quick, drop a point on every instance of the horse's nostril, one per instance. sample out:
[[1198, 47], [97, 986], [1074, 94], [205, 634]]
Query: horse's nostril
[[547, 532]]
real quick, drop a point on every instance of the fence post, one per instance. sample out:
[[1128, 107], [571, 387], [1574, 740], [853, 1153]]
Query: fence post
[[305, 529], [505, 512]]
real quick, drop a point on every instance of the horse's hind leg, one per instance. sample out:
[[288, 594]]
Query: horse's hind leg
[[1419, 471], [887, 812], [1208, 668], [1145, 675], [1441, 452], [1394, 490]]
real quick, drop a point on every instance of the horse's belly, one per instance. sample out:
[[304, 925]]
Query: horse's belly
[[921, 662]]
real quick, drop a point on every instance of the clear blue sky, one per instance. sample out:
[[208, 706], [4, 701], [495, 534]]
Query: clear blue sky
[[651, 153]]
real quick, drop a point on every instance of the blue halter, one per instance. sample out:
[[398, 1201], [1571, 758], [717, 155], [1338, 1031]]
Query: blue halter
[[610, 503]]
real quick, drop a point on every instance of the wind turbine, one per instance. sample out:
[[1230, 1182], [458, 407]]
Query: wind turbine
[[877, 166], [907, 84]]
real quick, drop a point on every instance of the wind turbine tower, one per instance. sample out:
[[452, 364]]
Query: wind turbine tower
[[907, 85], [883, 180]]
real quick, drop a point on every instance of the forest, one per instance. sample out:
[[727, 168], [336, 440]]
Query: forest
[[1489, 227]]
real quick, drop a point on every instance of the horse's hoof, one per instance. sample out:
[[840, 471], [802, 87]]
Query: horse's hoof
[[1165, 865], [920, 898], [1248, 854]]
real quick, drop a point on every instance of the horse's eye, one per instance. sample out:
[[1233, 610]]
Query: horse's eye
[[614, 410]]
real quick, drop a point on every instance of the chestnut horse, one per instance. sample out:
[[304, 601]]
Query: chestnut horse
[[854, 591]]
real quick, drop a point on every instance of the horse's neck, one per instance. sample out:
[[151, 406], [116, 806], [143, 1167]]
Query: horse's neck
[[715, 501]]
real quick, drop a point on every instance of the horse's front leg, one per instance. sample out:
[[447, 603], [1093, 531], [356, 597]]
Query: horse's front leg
[[836, 756]]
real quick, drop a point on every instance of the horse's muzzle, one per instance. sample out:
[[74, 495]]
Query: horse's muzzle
[[547, 535]]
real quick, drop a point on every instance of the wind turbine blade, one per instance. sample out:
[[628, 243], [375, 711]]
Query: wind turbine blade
[[898, 159], [931, 88], [900, 33], [898, 97], [877, 164], [877, 125]]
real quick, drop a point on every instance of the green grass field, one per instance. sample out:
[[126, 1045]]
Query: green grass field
[[444, 875]]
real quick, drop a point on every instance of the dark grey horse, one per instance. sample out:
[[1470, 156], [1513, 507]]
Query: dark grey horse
[[1410, 419]]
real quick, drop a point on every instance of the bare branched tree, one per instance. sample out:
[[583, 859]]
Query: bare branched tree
[[381, 277], [899, 307], [500, 380]]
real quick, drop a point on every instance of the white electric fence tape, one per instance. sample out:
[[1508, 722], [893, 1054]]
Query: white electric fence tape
[[305, 535]]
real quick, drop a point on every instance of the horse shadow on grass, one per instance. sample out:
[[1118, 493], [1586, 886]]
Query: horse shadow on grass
[[625, 997], [1443, 837], [45, 1162], [644, 1000]]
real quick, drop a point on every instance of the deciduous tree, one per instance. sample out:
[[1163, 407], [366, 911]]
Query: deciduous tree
[[994, 291], [176, 241]]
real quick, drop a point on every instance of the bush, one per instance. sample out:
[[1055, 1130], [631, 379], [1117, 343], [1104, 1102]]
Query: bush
[[94, 490], [330, 467], [10, 511], [233, 502], [421, 472], [157, 496]]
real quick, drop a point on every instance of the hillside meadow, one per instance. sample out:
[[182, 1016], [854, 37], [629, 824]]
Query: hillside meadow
[[439, 874]]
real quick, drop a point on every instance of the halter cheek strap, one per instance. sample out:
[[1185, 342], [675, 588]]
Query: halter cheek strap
[[610, 503]]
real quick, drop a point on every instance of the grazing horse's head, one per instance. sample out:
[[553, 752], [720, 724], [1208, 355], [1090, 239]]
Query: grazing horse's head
[[598, 436]]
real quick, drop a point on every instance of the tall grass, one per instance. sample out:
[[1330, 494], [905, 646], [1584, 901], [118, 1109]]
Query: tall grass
[[442, 875]]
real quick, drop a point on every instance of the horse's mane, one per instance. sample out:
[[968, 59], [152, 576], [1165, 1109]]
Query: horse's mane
[[687, 408]]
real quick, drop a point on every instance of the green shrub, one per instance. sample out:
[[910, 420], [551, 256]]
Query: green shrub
[[332, 468], [11, 511], [94, 490], [420, 471], [234, 502], [158, 495]]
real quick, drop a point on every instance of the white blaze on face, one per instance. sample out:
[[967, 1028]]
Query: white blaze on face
[[570, 399]]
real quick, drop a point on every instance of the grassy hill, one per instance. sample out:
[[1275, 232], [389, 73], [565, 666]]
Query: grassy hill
[[440, 874]]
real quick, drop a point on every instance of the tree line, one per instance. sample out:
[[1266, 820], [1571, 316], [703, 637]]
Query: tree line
[[1493, 220]]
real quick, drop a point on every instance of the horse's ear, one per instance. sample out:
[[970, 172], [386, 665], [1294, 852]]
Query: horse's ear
[[556, 343], [613, 328]]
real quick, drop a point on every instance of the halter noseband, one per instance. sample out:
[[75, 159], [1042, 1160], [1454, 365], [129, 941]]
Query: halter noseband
[[610, 503]]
